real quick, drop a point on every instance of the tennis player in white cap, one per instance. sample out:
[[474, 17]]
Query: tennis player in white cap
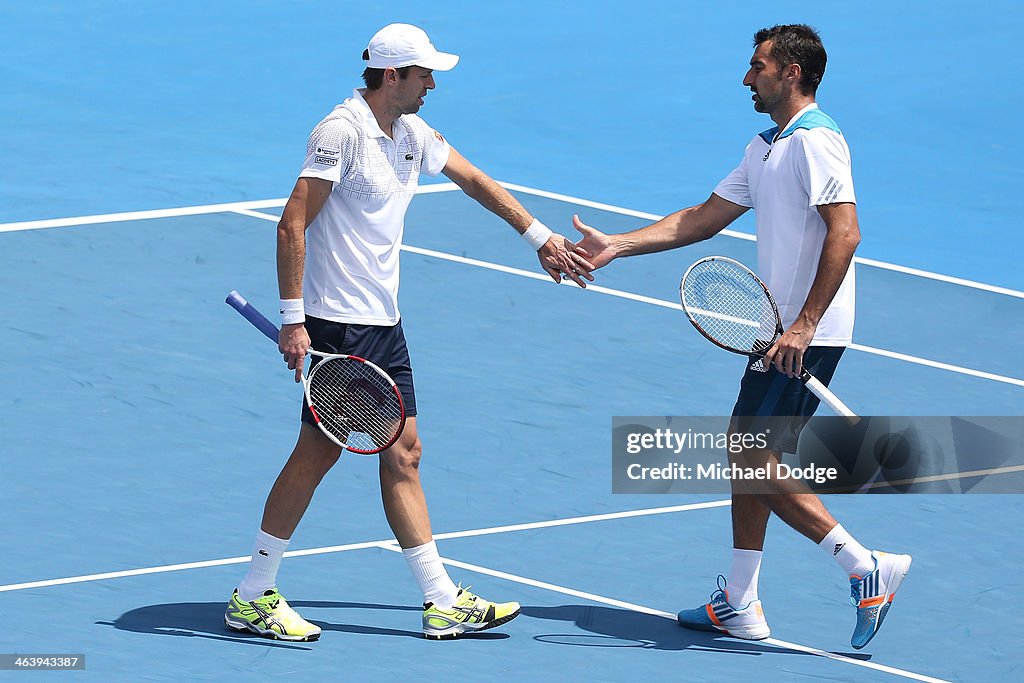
[[338, 246]]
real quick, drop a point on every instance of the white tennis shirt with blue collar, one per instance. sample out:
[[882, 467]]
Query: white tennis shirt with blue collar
[[784, 177], [352, 246]]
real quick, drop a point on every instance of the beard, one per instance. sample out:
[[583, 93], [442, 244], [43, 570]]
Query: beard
[[412, 107], [765, 106]]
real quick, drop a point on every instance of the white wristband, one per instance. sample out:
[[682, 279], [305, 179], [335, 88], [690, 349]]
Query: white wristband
[[537, 235], [292, 311]]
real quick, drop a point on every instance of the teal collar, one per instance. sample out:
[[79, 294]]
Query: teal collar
[[807, 118]]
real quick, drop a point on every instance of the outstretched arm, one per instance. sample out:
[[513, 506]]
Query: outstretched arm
[[557, 254], [679, 229]]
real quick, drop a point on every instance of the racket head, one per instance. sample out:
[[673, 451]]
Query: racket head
[[355, 403], [730, 306]]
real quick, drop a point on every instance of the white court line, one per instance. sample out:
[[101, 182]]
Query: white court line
[[140, 215], [179, 567], [366, 544], [393, 547], [236, 207], [254, 214], [608, 207], [587, 519], [436, 187], [450, 187], [722, 316], [906, 270], [937, 365], [973, 284], [673, 305], [931, 478]]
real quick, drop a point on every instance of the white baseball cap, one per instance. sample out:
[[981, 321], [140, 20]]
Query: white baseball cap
[[399, 45]]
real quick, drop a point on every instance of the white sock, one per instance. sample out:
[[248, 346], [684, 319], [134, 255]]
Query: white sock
[[741, 588], [430, 575], [266, 559], [854, 558]]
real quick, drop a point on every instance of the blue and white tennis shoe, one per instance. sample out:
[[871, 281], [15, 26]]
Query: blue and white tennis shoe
[[872, 594], [718, 615]]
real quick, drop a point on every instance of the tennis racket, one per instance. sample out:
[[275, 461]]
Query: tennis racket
[[733, 309], [354, 402]]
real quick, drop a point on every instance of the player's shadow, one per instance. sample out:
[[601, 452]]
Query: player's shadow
[[206, 620], [613, 627]]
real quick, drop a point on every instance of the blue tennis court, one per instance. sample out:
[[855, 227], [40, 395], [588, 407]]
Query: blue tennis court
[[148, 148]]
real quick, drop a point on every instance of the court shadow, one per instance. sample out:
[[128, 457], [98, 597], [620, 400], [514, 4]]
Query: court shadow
[[613, 627], [376, 630], [206, 620], [191, 620]]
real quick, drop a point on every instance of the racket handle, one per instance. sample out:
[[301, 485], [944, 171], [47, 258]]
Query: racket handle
[[829, 399], [249, 312]]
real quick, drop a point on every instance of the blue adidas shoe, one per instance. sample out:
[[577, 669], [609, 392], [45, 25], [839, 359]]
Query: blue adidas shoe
[[718, 615], [872, 594]]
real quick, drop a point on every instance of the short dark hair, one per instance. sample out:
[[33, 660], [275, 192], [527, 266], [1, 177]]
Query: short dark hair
[[374, 78], [797, 44]]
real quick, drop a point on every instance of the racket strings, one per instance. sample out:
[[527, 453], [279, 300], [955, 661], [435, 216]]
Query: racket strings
[[355, 403], [730, 306]]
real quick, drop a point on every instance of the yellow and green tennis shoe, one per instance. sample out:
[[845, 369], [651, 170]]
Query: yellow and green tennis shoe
[[469, 613], [270, 616]]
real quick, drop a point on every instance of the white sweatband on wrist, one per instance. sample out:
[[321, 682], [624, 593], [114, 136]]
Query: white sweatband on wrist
[[292, 311], [537, 235]]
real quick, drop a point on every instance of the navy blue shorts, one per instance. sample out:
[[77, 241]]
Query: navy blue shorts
[[778, 406], [383, 346]]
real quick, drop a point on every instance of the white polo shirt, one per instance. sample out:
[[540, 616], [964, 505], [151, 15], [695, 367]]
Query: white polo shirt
[[784, 177], [352, 246]]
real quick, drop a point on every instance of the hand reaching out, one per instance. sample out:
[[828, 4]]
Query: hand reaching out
[[598, 246]]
